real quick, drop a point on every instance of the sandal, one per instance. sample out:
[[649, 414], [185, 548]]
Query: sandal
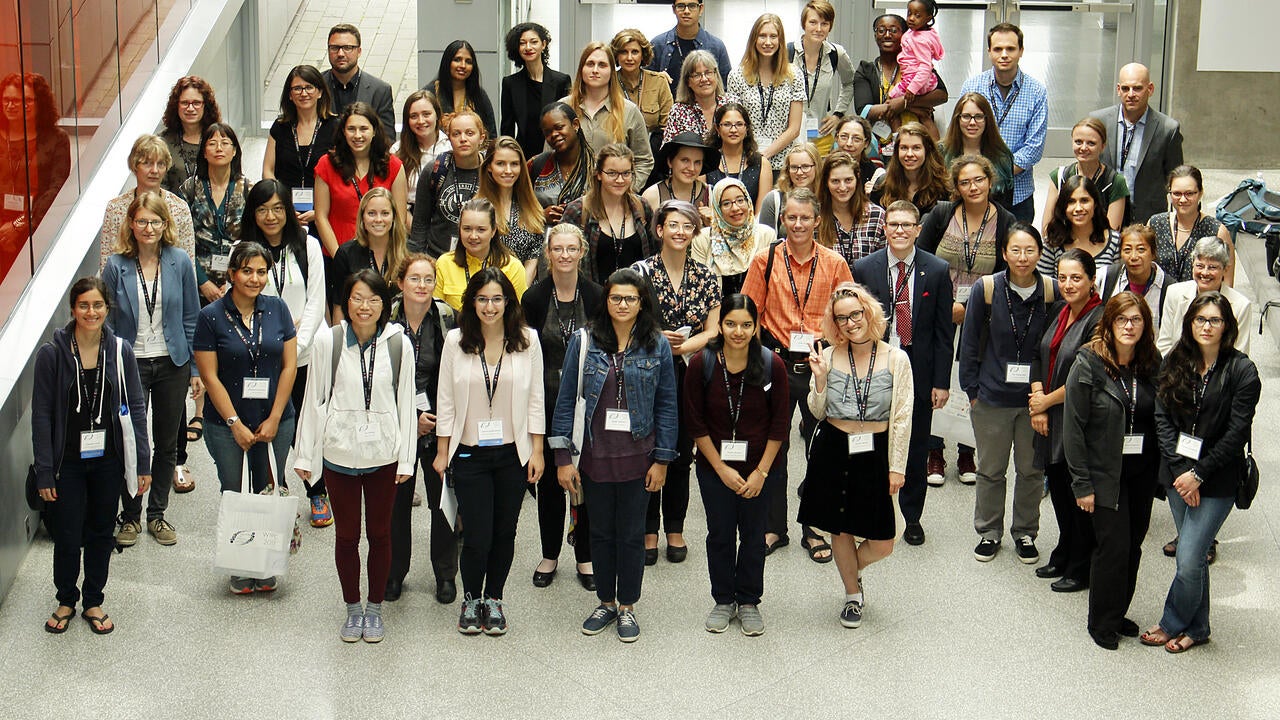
[[182, 480], [1171, 548], [98, 623], [781, 542], [1154, 637], [1212, 555], [1182, 643], [61, 622], [814, 550], [195, 429]]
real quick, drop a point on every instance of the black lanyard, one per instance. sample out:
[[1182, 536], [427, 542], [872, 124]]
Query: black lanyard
[[278, 269], [808, 291], [692, 191], [306, 162], [366, 371], [466, 266], [356, 184], [373, 262], [735, 407], [99, 396], [1130, 134], [618, 361], [617, 238], [766, 109], [639, 88], [972, 257], [678, 310], [491, 390], [253, 341], [1013, 96], [566, 332], [149, 298], [1013, 323], [1181, 255], [1198, 392], [903, 283], [1131, 395], [219, 211], [804, 68], [861, 394]]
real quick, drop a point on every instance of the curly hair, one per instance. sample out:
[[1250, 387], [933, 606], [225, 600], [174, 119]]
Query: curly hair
[[172, 122], [749, 146], [46, 108], [512, 42]]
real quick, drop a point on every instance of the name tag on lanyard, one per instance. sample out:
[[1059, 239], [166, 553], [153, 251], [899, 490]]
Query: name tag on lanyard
[[1189, 446], [256, 388], [861, 443], [619, 420], [1133, 444], [93, 444], [733, 450], [304, 199], [489, 432], [1018, 373]]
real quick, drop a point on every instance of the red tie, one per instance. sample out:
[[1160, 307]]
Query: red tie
[[902, 305]]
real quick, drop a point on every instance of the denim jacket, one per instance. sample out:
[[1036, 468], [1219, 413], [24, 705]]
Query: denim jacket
[[650, 388]]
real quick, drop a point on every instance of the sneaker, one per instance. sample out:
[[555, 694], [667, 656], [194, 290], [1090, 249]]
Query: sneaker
[[129, 531], [162, 531], [599, 619], [720, 616], [267, 585], [352, 629], [752, 623], [241, 585], [851, 615], [469, 618], [986, 550], [628, 628], [494, 622], [321, 514], [966, 468], [372, 632], [1027, 552], [936, 467]]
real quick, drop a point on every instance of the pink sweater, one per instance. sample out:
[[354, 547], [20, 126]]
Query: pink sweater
[[920, 50]]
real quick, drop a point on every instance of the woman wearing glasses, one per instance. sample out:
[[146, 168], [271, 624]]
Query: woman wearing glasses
[[149, 161], [1179, 230], [613, 218], [191, 108], [733, 237], [698, 95], [732, 135], [799, 170], [300, 136], [1088, 138], [853, 135], [973, 131]]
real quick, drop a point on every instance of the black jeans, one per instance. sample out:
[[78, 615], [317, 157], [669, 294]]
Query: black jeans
[[551, 502], [777, 483], [84, 516], [164, 386], [490, 485], [737, 570], [617, 537], [673, 499], [444, 542], [1118, 551], [1075, 531]]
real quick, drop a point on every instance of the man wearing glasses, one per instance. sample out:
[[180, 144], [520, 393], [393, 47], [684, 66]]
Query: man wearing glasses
[[349, 84], [671, 47], [914, 287]]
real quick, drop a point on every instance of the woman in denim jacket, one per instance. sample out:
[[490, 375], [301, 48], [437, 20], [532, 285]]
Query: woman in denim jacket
[[628, 439]]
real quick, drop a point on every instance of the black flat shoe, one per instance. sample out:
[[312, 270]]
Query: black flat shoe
[[913, 534], [677, 553], [446, 592], [394, 588], [1105, 639], [588, 581], [1049, 571], [1068, 585], [650, 556], [543, 579], [1129, 628]]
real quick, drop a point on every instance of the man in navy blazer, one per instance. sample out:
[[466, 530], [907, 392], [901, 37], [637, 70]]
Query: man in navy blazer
[[910, 282]]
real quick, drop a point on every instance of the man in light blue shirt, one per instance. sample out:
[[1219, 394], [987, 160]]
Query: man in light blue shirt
[[671, 47], [1020, 104]]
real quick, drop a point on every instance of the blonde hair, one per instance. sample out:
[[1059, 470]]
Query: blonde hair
[[397, 245], [873, 313], [148, 147], [571, 230], [126, 243], [803, 148], [531, 215], [616, 122], [782, 72]]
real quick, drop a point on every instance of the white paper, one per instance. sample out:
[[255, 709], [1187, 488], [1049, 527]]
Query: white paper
[[1018, 373], [1133, 444], [219, 263], [733, 450], [1189, 446]]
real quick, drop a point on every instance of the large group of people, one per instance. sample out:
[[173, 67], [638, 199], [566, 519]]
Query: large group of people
[[642, 277]]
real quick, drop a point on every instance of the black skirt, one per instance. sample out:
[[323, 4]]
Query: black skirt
[[846, 493]]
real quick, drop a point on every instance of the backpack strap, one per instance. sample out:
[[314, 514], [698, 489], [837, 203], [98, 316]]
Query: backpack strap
[[394, 348], [709, 359], [768, 271], [988, 292], [439, 169], [1050, 297], [1113, 279], [336, 355], [834, 60]]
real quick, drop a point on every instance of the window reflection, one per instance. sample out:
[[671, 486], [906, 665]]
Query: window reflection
[[35, 160]]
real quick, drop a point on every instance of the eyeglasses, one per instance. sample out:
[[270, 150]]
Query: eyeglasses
[[849, 137], [141, 224], [972, 182], [420, 280], [898, 226], [192, 104], [495, 300], [1201, 321], [343, 48], [686, 6], [96, 307], [888, 31], [12, 102], [617, 174], [972, 117], [855, 316], [1205, 267], [1023, 252], [732, 125], [704, 75], [265, 210], [223, 143], [1184, 194], [566, 250], [735, 202], [1131, 321], [624, 300], [303, 89], [677, 226], [370, 302], [807, 167]]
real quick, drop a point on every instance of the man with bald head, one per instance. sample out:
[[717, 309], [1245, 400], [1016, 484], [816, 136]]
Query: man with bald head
[[1142, 143]]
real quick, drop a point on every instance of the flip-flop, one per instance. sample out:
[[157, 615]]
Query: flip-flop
[[1151, 637], [194, 431], [97, 623], [1176, 645], [62, 623]]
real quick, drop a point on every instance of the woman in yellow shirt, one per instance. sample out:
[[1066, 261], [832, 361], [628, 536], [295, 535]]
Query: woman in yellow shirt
[[476, 249]]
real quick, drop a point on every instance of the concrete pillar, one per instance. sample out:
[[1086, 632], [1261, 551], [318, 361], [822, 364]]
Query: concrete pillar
[[440, 22]]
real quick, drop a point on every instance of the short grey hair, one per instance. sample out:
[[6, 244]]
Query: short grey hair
[[1214, 249], [691, 61]]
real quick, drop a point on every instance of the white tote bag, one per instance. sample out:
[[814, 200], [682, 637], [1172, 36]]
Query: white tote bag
[[254, 531], [127, 438]]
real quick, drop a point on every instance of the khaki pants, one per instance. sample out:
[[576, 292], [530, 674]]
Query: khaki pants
[[996, 430]]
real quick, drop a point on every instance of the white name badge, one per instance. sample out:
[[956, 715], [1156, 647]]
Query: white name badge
[[422, 402], [304, 199], [14, 203], [882, 129], [453, 242], [1133, 444], [92, 443], [801, 342], [962, 293], [219, 263], [811, 127], [1018, 373], [619, 420], [1189, 446], [861, 443], [366, 432], [489, 432], [256, 388], [733, 450]]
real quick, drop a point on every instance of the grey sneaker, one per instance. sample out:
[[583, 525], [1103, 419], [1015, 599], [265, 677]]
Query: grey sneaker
[[628, 628], [469, 618], [851, 615], [599, 619], [494, 622], [353, 628], [162, 531], [129, 532], [752, 623], [720, 616], [242, 585], [372, 628]]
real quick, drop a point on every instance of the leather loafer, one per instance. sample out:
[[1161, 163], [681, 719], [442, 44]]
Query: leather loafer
[[677, 553], [1049, 571], [394, 588], [588, 581], [543, 579], [651, 556], [913, 534], [446, 592], [1068, 585]]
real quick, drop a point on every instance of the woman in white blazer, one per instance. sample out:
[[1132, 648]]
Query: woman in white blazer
[[490, 423]]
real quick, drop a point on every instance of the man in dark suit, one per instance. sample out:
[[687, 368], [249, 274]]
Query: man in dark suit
[[914, 287], [349, 84], [1144, 144]]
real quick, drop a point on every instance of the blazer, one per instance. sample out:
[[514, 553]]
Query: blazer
[[1160, 153], [1178, 297], [934, 224], [375, 92], [932, 331], [1049, 449], [528, 398], [179, 304], [522, 102]]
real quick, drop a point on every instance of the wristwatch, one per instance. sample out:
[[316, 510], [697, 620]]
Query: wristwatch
[[233, 420]]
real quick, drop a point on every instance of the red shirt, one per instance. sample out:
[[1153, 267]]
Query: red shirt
[[782, 314], [344, 201]]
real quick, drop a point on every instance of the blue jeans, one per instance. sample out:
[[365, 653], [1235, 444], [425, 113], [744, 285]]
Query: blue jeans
[[1186, 609], [228, 458]]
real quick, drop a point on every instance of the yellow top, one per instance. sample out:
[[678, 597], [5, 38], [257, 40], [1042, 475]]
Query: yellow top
[[451, 280]]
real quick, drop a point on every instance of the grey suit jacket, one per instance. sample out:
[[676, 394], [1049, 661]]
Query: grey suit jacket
[[375, 92], [1160, 153]]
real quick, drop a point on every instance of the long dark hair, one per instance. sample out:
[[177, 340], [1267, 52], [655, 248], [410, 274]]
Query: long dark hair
[[444, 81], [228, 132], [1058, 233], [646, 330], [749, 147], [1146, 358], [756, 373], [472, 340], [344, 161], [1182, 367], [292, 237], [324, 102]]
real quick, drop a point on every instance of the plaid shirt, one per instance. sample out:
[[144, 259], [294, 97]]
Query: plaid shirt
[[865, 237], [780, 313], [1024, 125]]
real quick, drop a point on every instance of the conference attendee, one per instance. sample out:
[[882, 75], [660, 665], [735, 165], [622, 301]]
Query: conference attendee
[[446, 185], [875, 77], [379, 243], [422, 138], [149, 161], [699, 94], [532, 87], [776, 113], [973, 131], [733, 236], [1020, 104], [681, 163], [1146, 144], [799, 170], [615, 221], [190, 109], [1205, 403], [1078, 219], [555, 307], [999, 356], [302, 133], [505, 183], [215, 195], [457, 84], [493, 451], [560, 174], [735, 457], [1137, 272], [672, 48], [478, 248], [862, 394], [83, 375], [915, 294], [854, 135], [1088, 139], [1180, 229], [349, 83], [790, 325], [358, 427], [855, 226], [649, 90], [1109, 442], [1063, 336], [628, 437], [156, 315], [915, 171], [829, 95], [1209, 264], [732, 136], [605, 114]]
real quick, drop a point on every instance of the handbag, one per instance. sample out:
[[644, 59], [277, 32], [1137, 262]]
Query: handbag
[[128, 440], [254, 532], [580, 402], [1247, 490], [34, 501]]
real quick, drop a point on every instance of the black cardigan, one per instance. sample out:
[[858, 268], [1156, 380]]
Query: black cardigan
[[934, 224]]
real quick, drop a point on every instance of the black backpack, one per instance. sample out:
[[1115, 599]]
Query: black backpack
[[831, 55], [709, 361]]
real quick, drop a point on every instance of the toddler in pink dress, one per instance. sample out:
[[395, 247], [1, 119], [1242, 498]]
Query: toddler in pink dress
[[921, 48]]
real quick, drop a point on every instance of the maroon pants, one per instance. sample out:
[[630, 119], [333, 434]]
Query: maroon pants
[[379, 489]]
